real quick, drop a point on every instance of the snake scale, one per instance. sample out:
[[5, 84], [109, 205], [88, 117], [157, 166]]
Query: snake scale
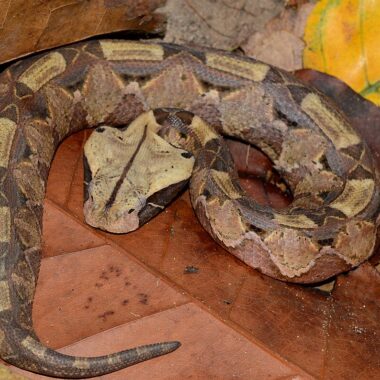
[[330, 227]]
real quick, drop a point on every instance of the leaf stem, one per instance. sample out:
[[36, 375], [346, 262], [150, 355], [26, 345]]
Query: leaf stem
[[370, 89]]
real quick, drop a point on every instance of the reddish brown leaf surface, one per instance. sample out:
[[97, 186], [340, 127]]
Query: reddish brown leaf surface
[[353, 335]]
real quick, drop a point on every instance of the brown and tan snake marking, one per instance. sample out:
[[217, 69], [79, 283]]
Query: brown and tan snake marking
[[330, 227]]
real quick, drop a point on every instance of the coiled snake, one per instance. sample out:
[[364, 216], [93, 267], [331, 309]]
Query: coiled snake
[[330, 226]]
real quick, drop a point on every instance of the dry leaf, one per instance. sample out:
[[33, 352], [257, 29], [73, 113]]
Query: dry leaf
[[280, 42], [223, 24], [29, 26]]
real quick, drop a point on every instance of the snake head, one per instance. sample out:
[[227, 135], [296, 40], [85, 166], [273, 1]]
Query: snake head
[[131, 174]]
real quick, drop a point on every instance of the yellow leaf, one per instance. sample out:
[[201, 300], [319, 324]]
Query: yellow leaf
[[343, 39]]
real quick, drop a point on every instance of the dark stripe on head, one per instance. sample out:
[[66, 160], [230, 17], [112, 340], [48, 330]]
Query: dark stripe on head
[[126, 169], [87, 177]]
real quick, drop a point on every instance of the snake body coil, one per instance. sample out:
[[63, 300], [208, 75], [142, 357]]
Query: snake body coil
[[330, 227]]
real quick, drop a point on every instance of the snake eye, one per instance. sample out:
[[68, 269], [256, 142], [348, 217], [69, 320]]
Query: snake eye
[[186, 155]]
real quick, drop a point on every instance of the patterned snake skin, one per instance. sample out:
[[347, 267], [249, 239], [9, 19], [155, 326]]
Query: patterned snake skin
[[330, 227]]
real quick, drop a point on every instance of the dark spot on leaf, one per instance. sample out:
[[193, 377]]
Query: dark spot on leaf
[[143, 298], [104, 276], [190, 269], [105, 315]]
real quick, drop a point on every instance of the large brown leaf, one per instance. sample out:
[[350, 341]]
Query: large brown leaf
[[34, 25]]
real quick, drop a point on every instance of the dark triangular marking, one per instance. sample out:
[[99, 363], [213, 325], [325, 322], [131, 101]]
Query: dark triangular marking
[[156, 202], [354, 151], [93, 47], [22, 90], [69, 54], [274, 76], [360, 173], [298, 92], [10, 112]]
